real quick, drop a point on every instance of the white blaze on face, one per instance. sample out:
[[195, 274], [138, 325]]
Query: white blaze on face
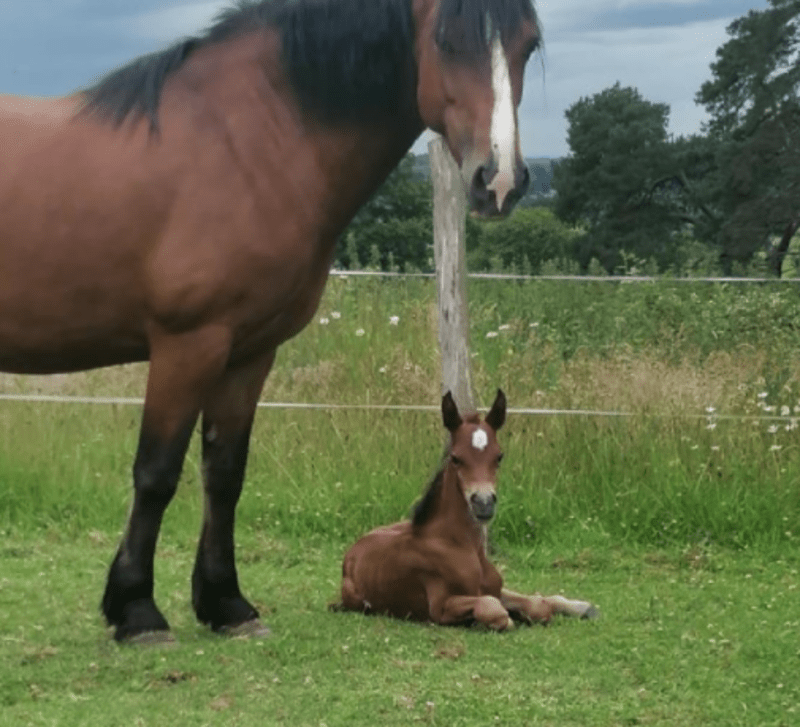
[[480, 440], [504, 126]]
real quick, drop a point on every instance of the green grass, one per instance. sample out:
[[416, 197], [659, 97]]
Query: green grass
[[694, 638], [680, 523]]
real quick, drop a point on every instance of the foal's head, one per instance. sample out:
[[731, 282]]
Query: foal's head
[[471, 57], [474, 454]]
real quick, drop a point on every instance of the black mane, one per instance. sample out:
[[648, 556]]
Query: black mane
[[423, 509], [346, 59]]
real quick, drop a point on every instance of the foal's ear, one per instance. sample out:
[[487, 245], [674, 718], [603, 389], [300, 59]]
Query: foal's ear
[[497, 414], [450, 415]]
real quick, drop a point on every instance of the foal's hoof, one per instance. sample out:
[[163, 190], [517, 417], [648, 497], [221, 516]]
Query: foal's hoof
[[253, 629], [158, 639], [591, 613]]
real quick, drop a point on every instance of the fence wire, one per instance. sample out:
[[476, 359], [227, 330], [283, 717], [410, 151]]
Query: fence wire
[[322, 406]]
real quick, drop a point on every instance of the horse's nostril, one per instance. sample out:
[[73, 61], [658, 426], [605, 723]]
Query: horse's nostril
[[526, 179], [481, 179]]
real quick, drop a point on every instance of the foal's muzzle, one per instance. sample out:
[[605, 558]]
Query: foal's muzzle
[[483, 504], [490, 196]]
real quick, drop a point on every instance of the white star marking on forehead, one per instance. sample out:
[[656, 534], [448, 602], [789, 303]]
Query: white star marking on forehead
[[480, 440]]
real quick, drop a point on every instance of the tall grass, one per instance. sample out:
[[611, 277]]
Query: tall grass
[[679, 358]]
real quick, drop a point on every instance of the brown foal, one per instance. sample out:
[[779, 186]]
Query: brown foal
[[434, 568]]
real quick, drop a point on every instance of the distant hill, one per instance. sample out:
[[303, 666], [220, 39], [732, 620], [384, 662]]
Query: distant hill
[[541, 174]]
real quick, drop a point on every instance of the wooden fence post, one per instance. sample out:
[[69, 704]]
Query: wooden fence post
[[449, 249]]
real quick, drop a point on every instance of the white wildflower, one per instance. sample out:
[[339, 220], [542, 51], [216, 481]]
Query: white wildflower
[[360, 332], [762, 395], [710, 409], [785, 411], [773, 429], [324, 321], [504, 327], [336, 315], [394, 320], [775, 448], [491, 334]]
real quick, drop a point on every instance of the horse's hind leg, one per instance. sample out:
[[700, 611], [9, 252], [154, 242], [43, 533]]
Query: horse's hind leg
[[180, 371], [227, 420]]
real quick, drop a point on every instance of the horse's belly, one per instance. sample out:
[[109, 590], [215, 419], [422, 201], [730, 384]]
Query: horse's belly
[[73, 313]]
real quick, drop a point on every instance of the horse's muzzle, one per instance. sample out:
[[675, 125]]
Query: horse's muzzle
[[483, 505], [494, 194]]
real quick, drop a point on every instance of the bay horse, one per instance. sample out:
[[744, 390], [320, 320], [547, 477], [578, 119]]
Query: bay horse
[[184, 210], [434, 567]]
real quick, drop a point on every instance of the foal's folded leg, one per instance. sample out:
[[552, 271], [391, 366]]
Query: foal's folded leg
[[486, 610]]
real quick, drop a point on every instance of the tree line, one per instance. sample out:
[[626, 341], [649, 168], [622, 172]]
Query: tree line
[[629, 195]]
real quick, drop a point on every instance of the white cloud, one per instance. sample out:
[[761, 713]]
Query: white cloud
[[667, 64]]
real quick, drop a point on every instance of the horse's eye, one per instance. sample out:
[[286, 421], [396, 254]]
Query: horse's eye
[[456, 460], [447, 47], [530, 50], [500, 458]]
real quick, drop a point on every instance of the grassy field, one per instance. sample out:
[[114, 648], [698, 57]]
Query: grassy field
[[680, 521]]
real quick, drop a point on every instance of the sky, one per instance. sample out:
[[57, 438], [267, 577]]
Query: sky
[[663, 48]]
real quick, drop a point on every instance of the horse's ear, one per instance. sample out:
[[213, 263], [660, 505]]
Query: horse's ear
[[497, 414], [450, 415]]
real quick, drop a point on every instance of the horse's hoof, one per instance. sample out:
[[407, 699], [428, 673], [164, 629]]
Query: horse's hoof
[[158, 639], [253, 629], [591, 613]]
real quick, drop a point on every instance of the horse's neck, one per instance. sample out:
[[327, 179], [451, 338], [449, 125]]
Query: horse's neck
[[361, 158], [280, 146], [452, 514]]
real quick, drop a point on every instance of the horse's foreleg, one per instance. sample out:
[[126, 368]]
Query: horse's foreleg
[[531, 609], [486, 610], [180, 371], [540, 609], [572, 607], [227, 420]]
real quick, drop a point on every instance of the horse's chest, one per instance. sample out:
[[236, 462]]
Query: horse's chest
[[470, 573], [491, 582]]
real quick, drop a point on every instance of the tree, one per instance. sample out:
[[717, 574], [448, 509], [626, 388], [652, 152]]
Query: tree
[[528, 238], [616, 178], [753, 100], [394, 229]]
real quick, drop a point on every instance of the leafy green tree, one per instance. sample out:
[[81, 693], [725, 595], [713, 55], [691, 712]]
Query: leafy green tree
[[616, 179], [753, 99], [394, 230], [522, 242]]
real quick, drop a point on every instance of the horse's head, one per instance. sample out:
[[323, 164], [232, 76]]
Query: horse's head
[[475, 454], [471, 57]]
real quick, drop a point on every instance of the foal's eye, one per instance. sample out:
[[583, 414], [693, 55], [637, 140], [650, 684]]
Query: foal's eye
[[457, 461], [500, 458]]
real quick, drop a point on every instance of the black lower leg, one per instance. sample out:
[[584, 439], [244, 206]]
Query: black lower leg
[[128, 603], [216, 597]]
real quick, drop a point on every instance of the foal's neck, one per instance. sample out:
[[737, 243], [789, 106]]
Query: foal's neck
[[454, 512]]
